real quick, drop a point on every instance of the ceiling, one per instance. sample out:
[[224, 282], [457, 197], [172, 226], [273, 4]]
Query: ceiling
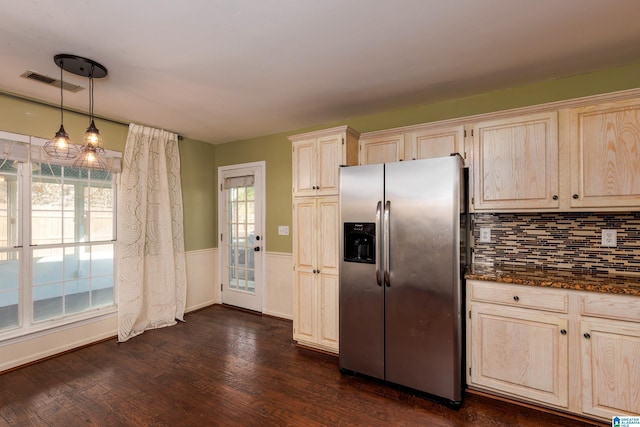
[[224, 70]]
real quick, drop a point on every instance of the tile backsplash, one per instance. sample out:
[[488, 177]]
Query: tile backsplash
[[565, 240]]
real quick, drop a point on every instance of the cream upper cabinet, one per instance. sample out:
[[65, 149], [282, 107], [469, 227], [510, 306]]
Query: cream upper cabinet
[[382, 149], [437, 141], [316, 160], [605, 155], [515, 163], [316, 262], [517, 346]]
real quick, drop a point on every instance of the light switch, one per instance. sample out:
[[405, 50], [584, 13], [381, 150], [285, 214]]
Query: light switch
[[485, 235], [283, 230], [609, 238]]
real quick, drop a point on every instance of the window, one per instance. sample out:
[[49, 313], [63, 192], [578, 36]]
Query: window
[[66, 216]]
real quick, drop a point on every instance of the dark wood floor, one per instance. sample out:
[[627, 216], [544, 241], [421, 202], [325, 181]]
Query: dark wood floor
[[230, 368]]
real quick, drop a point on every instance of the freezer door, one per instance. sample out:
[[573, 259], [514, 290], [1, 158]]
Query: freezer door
[[361, 297], [423, 336]]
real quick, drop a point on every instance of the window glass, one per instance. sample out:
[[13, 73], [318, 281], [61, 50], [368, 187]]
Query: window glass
[[9, 238]]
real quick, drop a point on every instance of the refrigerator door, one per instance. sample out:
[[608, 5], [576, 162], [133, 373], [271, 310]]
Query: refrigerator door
[[361, 297], [423, 336]]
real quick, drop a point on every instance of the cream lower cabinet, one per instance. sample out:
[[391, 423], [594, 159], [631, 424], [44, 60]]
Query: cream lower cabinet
[[519, 350], [610, 349], [316, 261], [573, 351]]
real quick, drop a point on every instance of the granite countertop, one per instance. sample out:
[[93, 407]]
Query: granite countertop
[[563, 279]]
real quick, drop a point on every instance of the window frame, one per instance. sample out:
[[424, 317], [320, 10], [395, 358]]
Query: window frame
[[27, 325]]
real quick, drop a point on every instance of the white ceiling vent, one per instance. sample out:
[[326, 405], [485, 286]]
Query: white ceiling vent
[[29, 74]]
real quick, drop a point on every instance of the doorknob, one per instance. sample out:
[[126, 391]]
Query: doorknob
[[256, 249]]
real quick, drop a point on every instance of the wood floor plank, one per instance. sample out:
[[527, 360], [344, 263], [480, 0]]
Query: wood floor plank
[[226, 367]]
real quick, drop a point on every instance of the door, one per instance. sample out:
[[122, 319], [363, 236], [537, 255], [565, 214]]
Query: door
[[422, 295], [241, 245], [361, 295]]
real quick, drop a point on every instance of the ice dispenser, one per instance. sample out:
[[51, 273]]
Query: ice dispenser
[[360, 242]]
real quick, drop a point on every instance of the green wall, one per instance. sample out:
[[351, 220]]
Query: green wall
[[196, 158], [198, 175], [276, 149]]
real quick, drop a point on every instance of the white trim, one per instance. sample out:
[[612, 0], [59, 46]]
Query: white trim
[[285, 254], [90, 317]]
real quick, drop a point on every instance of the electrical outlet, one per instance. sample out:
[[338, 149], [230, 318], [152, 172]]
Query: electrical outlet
[[609, 238], [485, 235], [283, 230]]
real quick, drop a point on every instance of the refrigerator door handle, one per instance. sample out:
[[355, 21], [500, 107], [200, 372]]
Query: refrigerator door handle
[[387, 267], [379, 220]]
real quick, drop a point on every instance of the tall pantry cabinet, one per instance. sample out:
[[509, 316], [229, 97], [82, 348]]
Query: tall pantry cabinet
[[317, 157]]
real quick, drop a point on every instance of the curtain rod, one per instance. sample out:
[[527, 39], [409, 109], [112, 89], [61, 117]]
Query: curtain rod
[[46, 104]]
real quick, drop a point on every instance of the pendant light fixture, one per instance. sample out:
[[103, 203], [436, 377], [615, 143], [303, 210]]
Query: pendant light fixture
[[60, 146], [91, 151]]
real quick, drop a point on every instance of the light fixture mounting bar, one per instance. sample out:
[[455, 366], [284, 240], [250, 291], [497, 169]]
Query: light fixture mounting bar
[[81, 66]]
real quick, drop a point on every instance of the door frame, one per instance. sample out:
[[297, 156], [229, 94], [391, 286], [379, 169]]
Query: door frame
[[260, 189]]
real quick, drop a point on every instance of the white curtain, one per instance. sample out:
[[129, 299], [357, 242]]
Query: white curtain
[[152, 282]]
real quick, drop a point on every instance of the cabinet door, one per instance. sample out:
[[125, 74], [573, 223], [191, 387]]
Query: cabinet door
[[605, 155], [610, 368], [516, 163], [305, 307], [304, 283], [383, 149], [328, 310], [304, 168], [328, 262], [438, 142], [330, 157], [304, 233], [520, 352]]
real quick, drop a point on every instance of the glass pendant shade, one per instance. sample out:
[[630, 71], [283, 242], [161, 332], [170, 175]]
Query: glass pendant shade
[[92, 137], [90, 157], [60, 146]]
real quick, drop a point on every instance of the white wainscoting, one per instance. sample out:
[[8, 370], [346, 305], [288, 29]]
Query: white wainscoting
[[203, 288], [278, 295]]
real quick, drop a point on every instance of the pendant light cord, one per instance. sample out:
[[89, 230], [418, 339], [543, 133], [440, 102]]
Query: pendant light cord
[[61, 96], [91, 94]]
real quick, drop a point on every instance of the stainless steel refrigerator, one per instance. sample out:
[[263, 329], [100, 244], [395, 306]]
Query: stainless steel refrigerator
[[402, 255]]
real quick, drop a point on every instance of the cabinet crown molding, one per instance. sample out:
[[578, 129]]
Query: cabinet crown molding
[[538, 108], [325, 132]]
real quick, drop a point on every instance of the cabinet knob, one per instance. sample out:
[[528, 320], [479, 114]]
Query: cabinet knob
[[575, 196], [555, 197], [587, 335], [563, 331], [516, 298]]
